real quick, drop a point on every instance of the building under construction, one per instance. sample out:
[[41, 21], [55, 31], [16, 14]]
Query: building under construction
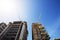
[[39, 32], [13, 31]]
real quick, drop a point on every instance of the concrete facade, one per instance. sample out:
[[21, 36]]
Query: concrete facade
[[15, 31], [39, 32]]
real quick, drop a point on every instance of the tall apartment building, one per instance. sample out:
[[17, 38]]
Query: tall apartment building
[[39, 32], [14, 31]]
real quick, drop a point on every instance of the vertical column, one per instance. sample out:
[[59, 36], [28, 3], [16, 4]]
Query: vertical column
[[23, 34]]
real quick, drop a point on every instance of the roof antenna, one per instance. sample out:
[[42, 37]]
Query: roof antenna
[[19, 18], [39, 18]]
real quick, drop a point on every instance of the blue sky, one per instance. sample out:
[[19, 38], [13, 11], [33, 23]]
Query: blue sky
[[47, 12], [51, 17]]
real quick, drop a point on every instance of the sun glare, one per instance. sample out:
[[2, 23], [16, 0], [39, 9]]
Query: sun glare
[[7, 5], [8, 10]]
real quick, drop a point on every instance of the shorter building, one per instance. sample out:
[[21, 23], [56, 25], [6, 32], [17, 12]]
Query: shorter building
[[57, 39], [39, 32]]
